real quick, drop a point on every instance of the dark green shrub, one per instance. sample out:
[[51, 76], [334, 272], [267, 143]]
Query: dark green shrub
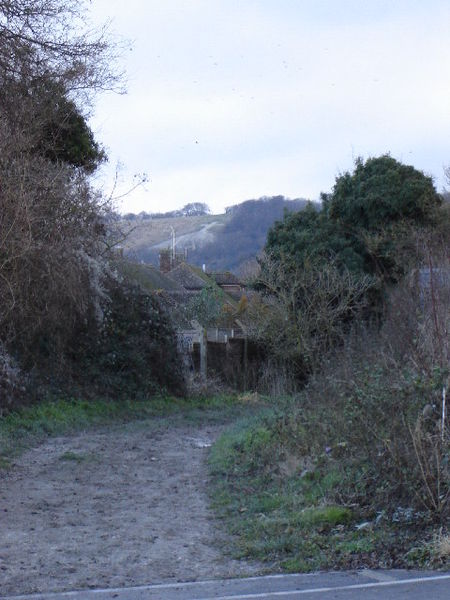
[[132, 352]]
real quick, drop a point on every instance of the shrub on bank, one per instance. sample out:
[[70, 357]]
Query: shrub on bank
[[133, 351]]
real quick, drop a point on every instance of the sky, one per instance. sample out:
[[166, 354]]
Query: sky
[[229, 100]]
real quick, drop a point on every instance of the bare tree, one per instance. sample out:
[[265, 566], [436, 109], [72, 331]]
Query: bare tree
[[301, 314], [53, 38], [48, 246], [51, 233]]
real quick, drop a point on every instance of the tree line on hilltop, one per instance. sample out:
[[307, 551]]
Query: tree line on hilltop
[[192, 209]]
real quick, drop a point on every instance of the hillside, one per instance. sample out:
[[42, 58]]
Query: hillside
[[145, 237], [221, 242]]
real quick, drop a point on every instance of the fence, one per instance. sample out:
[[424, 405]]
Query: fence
[[219, 350]]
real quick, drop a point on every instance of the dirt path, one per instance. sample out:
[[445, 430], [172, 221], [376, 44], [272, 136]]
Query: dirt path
[[109, 509]]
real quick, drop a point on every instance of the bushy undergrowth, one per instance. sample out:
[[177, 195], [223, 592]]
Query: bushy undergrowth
[[377, 402], [126, 350], [299, 508], [381, 402], [365, 440], [132, 352], [378, 424]]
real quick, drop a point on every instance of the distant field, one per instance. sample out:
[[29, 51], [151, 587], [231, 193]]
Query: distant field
[[147, 233]]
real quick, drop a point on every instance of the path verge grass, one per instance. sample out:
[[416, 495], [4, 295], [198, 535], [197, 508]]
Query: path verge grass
[[31, 425]]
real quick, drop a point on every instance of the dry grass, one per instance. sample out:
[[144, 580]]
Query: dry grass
[[250, 398], [143, 234], [441, 546]]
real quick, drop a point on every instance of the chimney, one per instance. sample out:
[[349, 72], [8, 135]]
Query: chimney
[[165, 261]]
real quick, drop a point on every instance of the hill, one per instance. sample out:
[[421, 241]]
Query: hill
[[221, 242]]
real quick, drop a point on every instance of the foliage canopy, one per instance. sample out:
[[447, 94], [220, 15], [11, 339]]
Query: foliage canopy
[[324, 268], [380, 192], [364, 222]]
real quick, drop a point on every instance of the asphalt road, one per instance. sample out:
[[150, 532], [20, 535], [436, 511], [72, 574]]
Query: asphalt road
[[356, 585]]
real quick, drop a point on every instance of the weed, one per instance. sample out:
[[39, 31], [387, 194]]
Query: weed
[[73, 456], [355, 546], [434, 552], [4, 463], [327, 515]]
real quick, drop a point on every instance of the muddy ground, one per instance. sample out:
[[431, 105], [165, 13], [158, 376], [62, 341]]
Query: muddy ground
[[112, 508]]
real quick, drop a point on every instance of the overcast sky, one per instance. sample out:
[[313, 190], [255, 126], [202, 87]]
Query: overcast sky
[[235, 99]]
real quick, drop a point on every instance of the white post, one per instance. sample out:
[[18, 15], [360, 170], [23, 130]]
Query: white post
[[173, 244], [203, 353], [444, 414]]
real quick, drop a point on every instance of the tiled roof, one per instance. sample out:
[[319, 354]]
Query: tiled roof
[[147, 276], [183, 275], [225, 278]]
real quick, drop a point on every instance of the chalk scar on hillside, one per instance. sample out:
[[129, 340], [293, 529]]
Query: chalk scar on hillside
[[202, 236]]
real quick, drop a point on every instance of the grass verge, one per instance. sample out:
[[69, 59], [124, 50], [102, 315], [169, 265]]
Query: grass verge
[[31, 425], [291, 512]]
